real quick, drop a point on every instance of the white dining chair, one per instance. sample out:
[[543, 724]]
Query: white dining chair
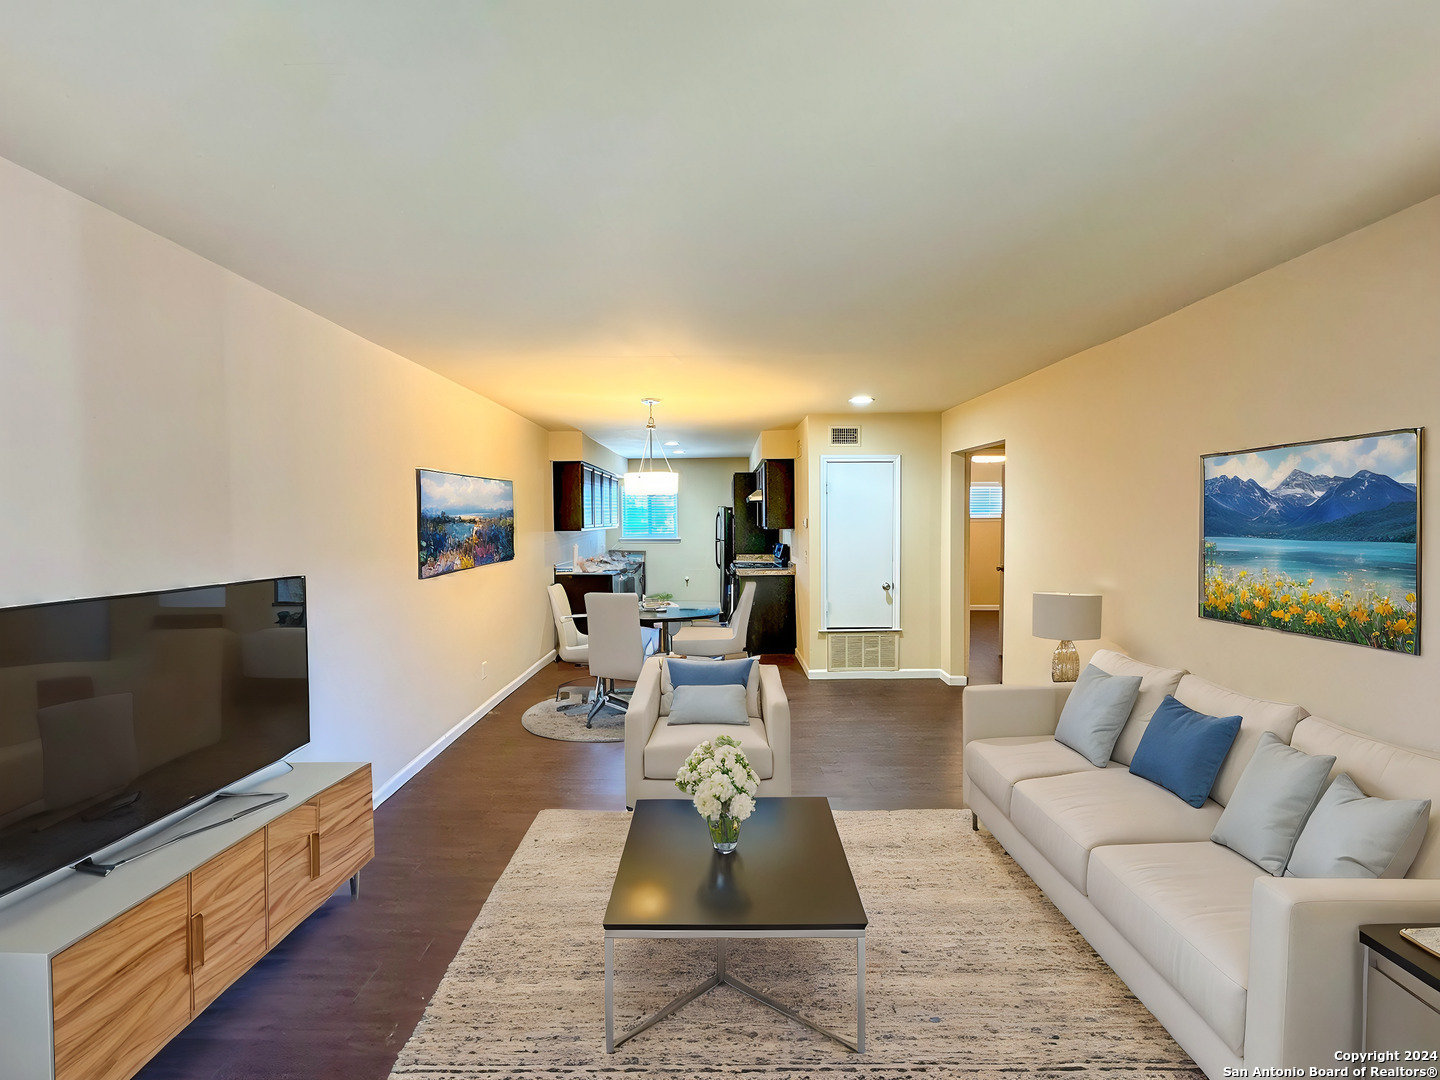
[[617, 646], [713, 639], [571, 645]]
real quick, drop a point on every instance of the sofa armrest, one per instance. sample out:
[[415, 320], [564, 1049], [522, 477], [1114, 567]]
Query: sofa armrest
[[1304, 1001], [775, 711], [640, 719], [994, 712]]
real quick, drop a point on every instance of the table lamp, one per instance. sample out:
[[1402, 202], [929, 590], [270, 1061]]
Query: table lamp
[[1068, 617]]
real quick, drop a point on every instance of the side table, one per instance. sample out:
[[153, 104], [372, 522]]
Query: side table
[[1400, 999]]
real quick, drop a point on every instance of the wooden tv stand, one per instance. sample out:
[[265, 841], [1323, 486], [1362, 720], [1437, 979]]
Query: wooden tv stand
[[97, 974]]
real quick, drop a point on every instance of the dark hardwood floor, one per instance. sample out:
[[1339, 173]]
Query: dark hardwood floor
[[340, 996]]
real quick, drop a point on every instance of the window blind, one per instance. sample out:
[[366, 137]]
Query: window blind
[[987, 500], [650, 517]]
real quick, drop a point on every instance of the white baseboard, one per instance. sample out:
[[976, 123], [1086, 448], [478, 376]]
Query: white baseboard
[[431, 752], [903, 673], [984, 607]]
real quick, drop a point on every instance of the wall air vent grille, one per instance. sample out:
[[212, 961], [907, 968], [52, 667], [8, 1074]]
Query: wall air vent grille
[[844, 436], [879, 651]]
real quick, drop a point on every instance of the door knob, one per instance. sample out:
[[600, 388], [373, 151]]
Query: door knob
[[886, 586]]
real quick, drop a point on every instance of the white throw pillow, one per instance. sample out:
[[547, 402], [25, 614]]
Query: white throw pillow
[[1352, 835], [714, 704], [1271, 801]]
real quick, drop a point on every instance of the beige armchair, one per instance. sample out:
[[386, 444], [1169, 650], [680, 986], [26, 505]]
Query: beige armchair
[[655, 750]]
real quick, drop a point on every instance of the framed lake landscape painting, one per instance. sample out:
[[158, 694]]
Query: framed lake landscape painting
[[1319, 538], [465, 521]]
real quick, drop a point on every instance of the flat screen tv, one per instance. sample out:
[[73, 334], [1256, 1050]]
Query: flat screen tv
[[118, 711]]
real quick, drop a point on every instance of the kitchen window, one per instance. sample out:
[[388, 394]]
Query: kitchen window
[[650, 517]]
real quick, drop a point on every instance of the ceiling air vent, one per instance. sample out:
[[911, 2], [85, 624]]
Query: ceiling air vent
[[879, 651], [844, 436]]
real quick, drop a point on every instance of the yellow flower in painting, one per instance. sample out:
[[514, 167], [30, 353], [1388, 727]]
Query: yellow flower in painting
[[1313, 618], [1294, 609], [1358, 613], [1243, 573], [1402, 626], [1340, 623], [1335, 606], [1247, 616], [1283, 616], [1409, 598], [1244, 596], [1309, 581], [1384, 607], [1260, 603]]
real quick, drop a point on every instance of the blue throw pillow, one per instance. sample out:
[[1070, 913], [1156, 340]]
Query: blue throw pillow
[[710, 672], [1095, 712], [1182, 750]]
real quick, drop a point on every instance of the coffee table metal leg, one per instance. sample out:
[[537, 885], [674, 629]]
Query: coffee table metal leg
[[723, 977], [609, 994], [860, 994]]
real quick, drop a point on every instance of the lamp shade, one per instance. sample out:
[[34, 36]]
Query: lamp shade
[[1066, 616], [652, 482]]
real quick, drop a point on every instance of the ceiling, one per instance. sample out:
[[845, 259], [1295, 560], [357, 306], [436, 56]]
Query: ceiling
[[749, 210]]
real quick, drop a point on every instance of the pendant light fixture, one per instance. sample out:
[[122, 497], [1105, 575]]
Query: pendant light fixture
[[650, 480]]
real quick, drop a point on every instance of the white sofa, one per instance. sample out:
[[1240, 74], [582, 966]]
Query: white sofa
[[654, 750], [1243, 969]]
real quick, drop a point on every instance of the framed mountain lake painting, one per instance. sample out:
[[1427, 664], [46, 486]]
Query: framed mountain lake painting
[[465, 521], [1318, 538]]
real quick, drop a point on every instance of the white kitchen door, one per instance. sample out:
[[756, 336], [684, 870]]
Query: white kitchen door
[[860, 542]]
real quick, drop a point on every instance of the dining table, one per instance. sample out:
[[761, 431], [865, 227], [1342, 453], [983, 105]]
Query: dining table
[[663, 617]]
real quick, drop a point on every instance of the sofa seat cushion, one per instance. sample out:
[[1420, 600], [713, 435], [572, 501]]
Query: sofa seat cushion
[[671, 744], [1186, 909], [1067, 817], [995, 766]]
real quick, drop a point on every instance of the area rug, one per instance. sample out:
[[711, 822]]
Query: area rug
[[969, 972], [546, 720]]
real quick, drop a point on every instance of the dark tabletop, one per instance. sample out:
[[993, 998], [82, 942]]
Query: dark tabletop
[[789, 872], [1385, 939], [680, 612]]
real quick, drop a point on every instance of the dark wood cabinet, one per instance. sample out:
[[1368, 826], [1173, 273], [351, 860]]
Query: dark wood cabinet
[[775, 481], [585, 497], [772, 618]]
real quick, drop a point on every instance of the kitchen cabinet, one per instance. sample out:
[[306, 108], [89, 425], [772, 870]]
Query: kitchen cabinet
[[775, 484], [586, 497], [772, 615]]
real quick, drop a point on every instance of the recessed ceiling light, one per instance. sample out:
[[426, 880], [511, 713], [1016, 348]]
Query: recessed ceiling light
[[862, 399], [988, 459], [672, 442], [679, 451]]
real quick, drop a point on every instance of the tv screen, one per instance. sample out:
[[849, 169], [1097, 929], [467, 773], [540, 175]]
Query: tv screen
[[116, 712]]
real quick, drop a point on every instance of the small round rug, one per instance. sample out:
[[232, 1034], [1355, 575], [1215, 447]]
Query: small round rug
[[546, 720]]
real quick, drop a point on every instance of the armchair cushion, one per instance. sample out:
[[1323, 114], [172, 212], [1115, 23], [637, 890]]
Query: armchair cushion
[[722, 704], [675, 672], [669, 746]]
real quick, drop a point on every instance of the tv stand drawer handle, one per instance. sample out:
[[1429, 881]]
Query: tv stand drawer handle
[[197, 940], [314, 855]]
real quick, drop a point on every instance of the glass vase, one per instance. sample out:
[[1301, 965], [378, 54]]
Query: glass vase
[[724, 833]]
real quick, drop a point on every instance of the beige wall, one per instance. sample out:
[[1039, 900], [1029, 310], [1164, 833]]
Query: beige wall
[[705, 485], [916, 438], [1103, 471], [986, 549], [165, 423]]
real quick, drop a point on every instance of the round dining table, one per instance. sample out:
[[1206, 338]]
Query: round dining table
[[675, 613]]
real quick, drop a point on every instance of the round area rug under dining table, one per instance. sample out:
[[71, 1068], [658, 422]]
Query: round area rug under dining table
[[546, 720]]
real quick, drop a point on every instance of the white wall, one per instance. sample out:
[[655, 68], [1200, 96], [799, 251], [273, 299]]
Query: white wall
[[1103, 465], [165, 423], [705, 485]]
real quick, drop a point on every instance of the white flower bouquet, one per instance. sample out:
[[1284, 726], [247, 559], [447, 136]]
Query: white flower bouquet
[[721, 783]]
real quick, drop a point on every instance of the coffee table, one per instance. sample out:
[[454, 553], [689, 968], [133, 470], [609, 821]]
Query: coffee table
[[788, 879]]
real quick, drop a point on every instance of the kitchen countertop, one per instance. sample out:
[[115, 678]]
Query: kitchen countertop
[[760, 571]]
